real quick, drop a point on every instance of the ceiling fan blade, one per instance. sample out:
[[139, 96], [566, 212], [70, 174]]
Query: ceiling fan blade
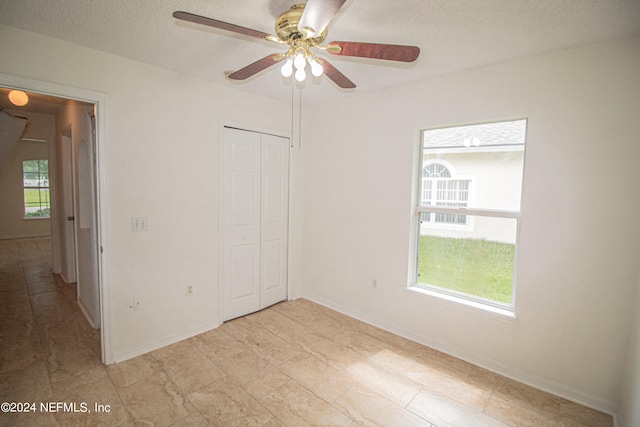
[[336, 76], [316, 16], [190, 17], [256, 67], [390, 52]]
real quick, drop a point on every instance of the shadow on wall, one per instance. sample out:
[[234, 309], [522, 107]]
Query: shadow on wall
[[11, 130]]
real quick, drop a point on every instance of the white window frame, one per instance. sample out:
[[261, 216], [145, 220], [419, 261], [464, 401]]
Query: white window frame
[[502, 311]]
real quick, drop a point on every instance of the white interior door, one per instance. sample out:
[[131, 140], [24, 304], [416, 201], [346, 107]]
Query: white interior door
[[67, 204], [274, 225], [85, 222], [255, 189], [241, 222]]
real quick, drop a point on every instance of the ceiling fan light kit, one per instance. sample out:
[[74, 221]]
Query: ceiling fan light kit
[[298, 56], [304, 27]]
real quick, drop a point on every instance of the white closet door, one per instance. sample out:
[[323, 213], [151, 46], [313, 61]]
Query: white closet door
[[255, 221], [275, 219], [241, 223]]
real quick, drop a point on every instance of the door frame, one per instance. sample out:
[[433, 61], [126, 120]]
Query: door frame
[[100, 101], [259, 129]]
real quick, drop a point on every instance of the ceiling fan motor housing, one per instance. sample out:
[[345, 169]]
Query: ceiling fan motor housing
[[287, 26]]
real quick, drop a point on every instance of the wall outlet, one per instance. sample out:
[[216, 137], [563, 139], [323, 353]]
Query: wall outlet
[[136, 303], [374, 283], [139, 223], [189, 290]]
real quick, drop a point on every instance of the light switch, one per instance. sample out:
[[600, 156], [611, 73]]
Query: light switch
[[139, 223]]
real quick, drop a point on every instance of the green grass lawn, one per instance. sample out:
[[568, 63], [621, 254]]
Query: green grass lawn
[[34, 197], [472, 266]]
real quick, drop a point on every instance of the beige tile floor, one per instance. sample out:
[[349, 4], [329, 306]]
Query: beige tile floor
[[294, 364]]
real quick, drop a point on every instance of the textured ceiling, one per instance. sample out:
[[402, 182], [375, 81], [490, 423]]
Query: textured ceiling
[[453, 35]]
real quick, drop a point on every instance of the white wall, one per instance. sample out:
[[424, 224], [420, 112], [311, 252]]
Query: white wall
[[630, 395], [13, 224], [579, 241], [162, 144]]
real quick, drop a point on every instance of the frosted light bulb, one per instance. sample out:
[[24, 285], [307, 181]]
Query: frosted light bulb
[[287, 68], [18, 98], [300, 74], [316, 68], [299, 61]]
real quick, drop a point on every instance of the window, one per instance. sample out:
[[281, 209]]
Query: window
[[35, 181], [467, 211], [440, 189]]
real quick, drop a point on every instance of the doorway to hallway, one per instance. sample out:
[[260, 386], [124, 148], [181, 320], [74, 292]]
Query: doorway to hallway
[[76, 243]]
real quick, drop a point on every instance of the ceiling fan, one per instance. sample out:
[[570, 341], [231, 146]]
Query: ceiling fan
[[304, 28]]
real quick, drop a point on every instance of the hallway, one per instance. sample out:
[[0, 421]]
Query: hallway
[[45, 339]]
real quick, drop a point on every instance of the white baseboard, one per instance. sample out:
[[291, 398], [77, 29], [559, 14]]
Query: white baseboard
[[64, 279], [85, 312], [499, 368], [24, 236], [163, 342]]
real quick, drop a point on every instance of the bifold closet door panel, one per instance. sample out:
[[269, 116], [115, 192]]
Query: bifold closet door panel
[[275, 219], [241, 222]]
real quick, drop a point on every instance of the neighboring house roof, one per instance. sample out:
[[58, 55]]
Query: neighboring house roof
[[499, 134]]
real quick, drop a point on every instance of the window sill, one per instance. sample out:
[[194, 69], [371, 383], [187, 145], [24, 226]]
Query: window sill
[[503, 314], [29, 218]]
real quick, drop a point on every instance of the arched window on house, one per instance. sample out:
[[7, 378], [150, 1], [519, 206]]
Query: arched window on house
[[440, 188]]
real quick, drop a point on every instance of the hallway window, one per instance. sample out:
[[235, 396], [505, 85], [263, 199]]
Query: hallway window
[[35, 181]]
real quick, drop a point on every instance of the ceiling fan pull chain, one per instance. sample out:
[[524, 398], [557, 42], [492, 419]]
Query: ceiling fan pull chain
[[299, 118], [292, 89]]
